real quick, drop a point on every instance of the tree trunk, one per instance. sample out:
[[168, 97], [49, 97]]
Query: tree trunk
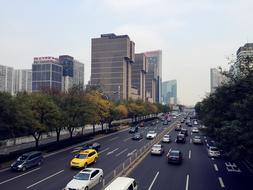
[[70, 132], [58, 132], [83, 129], [93, 128], [37, 138], [102, 125]]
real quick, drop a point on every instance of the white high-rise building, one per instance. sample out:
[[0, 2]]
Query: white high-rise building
[[216, 79], [22, 80], [6, 79]]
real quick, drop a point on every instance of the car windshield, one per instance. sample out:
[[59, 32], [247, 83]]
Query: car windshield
[[151, 132], [157, 146], [82, 176], [214, 149], [23, 157], [81, 156], [174, 153], [197, 137], [166, 136]]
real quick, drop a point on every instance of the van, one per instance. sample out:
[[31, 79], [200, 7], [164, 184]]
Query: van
[[27, 160], [123, 183]]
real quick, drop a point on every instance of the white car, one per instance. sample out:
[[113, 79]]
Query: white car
[[151, 135], [157, 149], [213, 151], [166, 139], [195, 130], [195, 122], [86, 179]]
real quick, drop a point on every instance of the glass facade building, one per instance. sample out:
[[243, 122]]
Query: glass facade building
[[169, 92], [46, 73], [22, 80]]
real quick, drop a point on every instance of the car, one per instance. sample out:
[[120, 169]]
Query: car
[[195, 122], [122, 183], [151, 135], [94, 145], [169, 119], [184, 131], [157, 149], [175, 156], [165, 122], [174, 117], [195, 130], [178, 128], [84, 158], [182, 121], [197, 140], [180, 138], [137, 136], [213, 151], [86, 179], [27, 160], [142, 124], [133, 129], [166, 139]]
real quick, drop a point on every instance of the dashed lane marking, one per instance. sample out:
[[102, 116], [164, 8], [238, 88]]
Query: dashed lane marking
[[18, 176], [151, 185], [187, 182], [45, 179], [216, 167], [121, 152], [103, 150], [114, 138], [221, 182]]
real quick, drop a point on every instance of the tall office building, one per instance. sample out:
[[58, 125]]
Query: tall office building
[[46, 73], [169, 92], [245, 51], [6, 79], [22, 80], [111, 60], [139, 70], [151, 82], [73, 72], [154, 74], [216, 79]]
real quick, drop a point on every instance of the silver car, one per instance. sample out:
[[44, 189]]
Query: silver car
[[166, 139], [157, 149], [197, 140]]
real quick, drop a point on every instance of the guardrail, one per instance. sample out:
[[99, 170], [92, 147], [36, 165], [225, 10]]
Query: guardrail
[[128, 164]]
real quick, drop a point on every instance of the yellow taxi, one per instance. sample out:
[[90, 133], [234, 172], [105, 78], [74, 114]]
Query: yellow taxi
[[84, 158]]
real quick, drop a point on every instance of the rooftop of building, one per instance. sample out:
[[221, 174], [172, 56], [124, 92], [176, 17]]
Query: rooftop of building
[[247, 46]]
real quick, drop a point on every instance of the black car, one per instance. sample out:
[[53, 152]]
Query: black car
[[133, 129], [175, 156], [27, 160], [180, 138], [184, 131], [137, 136], [96, 146]]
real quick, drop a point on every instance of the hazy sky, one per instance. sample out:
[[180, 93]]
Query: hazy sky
[[194, 35]]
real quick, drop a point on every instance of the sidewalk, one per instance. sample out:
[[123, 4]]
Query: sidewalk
[[28, 141]]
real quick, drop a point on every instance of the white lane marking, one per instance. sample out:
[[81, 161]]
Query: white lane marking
[[187, 182], [212, 158], [190, 140], [221, 182], [103, 150], [232, 167], [111, 152], [190, 153], [140, 140], [45, 179], [151, 185], [121, 152], [18, 176], [169, 152], [125, 140], [131, 153], [216, 167], [3, 170], [204, 137], [114, 138]]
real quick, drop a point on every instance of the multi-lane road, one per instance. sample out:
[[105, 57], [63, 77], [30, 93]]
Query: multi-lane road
[[196, 172]]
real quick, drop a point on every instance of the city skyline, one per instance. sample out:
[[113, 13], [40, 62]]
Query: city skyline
[[36, 29]]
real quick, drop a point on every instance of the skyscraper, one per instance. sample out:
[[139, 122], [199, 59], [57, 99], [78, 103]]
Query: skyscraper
[[22, 80], [111, 60], [73, 72], [169, 92], [6, 79], [245, 51], [46, 73], [139, 70], [154, 74], [216, 79]]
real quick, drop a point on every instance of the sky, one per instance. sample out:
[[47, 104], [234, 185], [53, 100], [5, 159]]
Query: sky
[[194, 35]]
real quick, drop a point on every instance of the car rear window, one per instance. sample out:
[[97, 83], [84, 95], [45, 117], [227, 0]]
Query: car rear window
[[82, 176], [81, 156]]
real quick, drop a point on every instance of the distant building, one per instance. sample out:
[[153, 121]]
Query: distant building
[[169, 92], [22, 80], [46, 74], [111, 61], [73, 72], [154, 75], [245, 51], [6, 79], [139, 70], [216, 79]]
